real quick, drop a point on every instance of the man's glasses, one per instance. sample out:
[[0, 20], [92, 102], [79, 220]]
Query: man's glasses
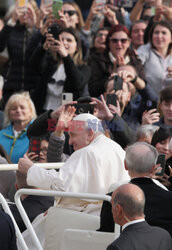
[[122, 40], [69, 12]]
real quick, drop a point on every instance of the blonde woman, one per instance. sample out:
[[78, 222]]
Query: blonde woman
[[19, 114]]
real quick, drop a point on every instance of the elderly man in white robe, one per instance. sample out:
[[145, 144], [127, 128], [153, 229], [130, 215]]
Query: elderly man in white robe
[[96, 163]]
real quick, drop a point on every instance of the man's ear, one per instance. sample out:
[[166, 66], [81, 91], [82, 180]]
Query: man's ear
[[90, 134], [119, 211], [126, 168]]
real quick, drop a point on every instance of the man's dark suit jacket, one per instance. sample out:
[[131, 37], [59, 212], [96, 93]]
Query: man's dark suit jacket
[[7, 233], [141, 236], [158, 206], [33, 205]]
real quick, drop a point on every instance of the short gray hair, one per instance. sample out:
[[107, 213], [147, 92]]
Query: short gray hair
[[141, 157], [145, 131], [132, 205]]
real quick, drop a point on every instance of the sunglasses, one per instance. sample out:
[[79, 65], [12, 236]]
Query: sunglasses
[[69, 12], [115, 40]]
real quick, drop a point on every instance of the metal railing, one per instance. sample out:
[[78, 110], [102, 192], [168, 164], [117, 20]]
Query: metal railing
[[18, 233], [54, 165], [49, 193]]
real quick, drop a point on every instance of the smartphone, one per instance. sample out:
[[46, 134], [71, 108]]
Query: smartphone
[[54, 30], [67, 97], [151, 105], [161, 161], [111, 99], [118, 83], [34, 146], [84, 108], [56, 6], [22, 4]]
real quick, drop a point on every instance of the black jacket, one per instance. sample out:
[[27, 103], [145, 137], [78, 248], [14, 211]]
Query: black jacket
[[18, 74], [143, 237], [157, 206], [33, 205], [77, 77]]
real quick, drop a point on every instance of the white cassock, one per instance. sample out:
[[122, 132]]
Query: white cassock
[[91, 169]]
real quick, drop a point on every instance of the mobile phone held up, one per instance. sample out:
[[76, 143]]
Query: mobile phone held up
[[111, 99], [22, 4], [118, 83], [54, 30], [161, 161], [56, 6], [151, 105], [34, 146]]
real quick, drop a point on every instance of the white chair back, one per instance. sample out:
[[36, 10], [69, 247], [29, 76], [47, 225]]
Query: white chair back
[[75, 239], [59, 219]]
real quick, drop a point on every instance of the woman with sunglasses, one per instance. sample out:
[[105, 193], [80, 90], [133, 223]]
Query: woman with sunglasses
[[72, 17], [157, 58], [59, 63], [117, 53]]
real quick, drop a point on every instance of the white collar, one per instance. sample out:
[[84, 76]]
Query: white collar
[[131, 222]]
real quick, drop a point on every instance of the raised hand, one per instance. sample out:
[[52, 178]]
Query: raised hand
[[101, 109], [150, 117]]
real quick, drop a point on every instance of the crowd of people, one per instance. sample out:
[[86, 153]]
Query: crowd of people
[[90, 86]]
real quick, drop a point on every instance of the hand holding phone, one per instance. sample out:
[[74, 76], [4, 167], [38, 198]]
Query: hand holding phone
[[161, 161], [57, 5], [34, 147], [111, 99]]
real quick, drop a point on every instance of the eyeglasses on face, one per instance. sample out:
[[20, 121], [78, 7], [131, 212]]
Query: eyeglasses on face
[[44, 150], [122, 40], [69, 12]]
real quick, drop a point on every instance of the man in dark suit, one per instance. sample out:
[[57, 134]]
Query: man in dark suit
[[140, 161], [128, 211], [32, 204], [7, 233]]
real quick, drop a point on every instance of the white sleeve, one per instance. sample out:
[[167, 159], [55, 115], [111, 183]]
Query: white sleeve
[[44, 179], [69, 178]]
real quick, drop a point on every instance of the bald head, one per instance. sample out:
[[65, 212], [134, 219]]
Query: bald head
[[132, 200], [141, 157]]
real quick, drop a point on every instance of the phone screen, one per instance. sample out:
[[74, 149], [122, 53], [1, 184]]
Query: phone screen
[[118, 83], [161, 161], [151, 105], [57, 5], [34, 146], [111, 99], [22, 4]]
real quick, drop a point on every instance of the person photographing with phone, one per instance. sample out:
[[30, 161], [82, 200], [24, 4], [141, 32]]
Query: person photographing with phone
[[161, 141], [14, 36], [59, 62], [123, 85]]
